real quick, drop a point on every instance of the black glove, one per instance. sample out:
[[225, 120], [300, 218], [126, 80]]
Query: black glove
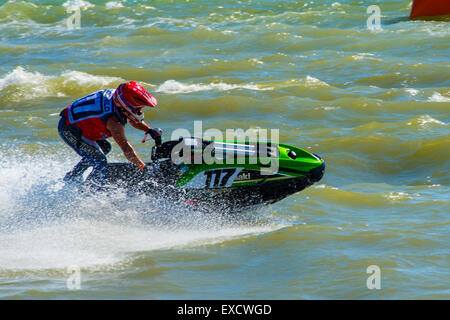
[[155, 133]]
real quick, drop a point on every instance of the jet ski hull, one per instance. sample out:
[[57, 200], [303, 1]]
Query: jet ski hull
[[220, 187]]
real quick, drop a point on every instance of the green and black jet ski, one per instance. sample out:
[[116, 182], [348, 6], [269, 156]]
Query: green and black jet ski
[[220, 176]]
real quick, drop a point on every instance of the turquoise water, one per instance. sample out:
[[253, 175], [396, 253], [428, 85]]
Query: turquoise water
[[374, 105]]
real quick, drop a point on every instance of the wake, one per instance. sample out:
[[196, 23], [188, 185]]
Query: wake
[[46, 224]]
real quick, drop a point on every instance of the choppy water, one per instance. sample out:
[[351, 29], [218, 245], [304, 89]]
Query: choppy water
[[374, 105]]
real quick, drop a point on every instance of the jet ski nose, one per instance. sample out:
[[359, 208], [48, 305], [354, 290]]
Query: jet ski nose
[[317, 173]]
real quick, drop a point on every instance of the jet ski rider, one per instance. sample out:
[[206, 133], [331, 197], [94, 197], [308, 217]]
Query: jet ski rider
[[88, 122]]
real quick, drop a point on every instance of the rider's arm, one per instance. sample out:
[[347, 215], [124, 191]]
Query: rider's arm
[[140, 125], [117, 130]]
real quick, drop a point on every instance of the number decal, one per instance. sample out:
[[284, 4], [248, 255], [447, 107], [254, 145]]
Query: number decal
[[227, 176], [218, 178]]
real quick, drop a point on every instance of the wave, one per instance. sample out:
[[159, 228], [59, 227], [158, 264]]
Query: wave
[[417, 124], [378, 157], [20, 76], [370, 195], [24, 15], [20, 84], [113, 5], [83, 79], [426, 120], [437, 97], [82, 4], [175, 87]]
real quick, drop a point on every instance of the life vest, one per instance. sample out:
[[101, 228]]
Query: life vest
[[91, 113]]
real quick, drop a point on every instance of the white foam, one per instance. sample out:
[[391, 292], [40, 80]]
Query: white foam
[[172, 21], [426, 119], [254, 60], [38, 85], [83, 78], [398, 196], [412, 92], [93, 232], [365, 56], [20, 76], [90, 243], [17, 180], [324, 186], [113, 5], [174, 87], [437, 97], [311, 81], [84, 5]]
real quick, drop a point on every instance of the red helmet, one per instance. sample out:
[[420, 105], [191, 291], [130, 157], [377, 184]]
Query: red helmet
[[130, 98]]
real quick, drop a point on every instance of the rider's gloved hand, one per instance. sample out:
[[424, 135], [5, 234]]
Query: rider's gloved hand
[[144, 171], [143, 168], [155, 133]]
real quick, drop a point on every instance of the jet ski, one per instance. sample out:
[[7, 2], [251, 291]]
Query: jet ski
[[219, 176]]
